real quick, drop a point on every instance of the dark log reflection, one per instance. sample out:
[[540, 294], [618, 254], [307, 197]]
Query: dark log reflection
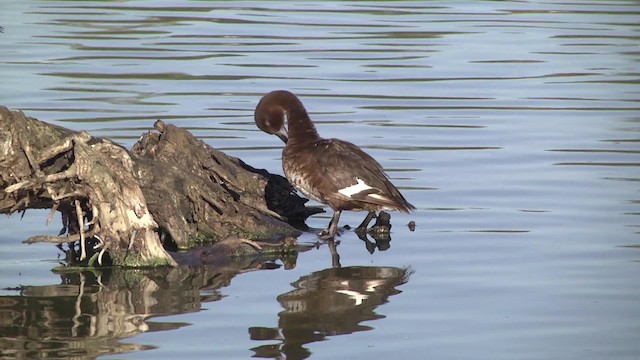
[[90, 311], [330, 302]]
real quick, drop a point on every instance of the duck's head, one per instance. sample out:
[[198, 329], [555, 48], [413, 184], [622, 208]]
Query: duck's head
[[271, 114]]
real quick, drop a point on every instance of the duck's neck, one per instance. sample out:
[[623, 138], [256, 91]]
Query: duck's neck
[[300, 128]]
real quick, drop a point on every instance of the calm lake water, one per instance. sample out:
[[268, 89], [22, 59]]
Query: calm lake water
[[513, 126]]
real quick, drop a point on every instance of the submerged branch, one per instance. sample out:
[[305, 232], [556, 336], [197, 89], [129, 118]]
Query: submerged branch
[[58, 239]]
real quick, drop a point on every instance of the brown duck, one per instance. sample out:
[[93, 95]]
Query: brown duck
[[332, 171]]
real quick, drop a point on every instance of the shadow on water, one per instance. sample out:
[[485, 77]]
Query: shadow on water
[[90, 312], [325, 303]]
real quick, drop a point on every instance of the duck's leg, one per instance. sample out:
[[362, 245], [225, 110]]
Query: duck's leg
[[366, 221], [332, 229]]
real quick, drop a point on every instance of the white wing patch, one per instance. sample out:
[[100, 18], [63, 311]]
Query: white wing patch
[[359, 187], [379, 197]]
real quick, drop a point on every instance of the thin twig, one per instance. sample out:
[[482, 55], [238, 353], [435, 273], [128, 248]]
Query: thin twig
[[34, 165], [58, 239], [100, 255], [132, 238], [54, 208], [251, 243], [63, 146], [74, 193], [33, 183], [83, 245], [53, 151], [24, 202], [94, 216]]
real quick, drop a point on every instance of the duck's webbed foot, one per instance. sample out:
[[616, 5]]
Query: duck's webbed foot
[[326, 235]]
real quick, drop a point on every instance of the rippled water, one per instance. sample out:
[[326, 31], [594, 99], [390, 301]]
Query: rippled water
[[514, 127]]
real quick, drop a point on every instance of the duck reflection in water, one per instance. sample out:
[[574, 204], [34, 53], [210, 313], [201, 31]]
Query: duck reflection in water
[[327, 303]]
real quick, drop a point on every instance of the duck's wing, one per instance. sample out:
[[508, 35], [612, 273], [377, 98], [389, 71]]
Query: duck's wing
[[357, 176]]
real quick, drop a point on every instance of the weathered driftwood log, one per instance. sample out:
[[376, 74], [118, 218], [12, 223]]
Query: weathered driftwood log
[[90, 181], [201, 192], [173, 187]]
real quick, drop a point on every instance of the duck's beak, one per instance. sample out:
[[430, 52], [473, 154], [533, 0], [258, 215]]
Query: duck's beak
[[282, 134]]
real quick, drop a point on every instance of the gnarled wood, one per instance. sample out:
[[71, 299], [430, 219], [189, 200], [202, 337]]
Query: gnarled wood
[[172, 187], [195, 191]]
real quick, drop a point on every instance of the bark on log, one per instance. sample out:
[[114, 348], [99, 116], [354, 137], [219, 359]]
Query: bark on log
[[172, 187], [212, 195]]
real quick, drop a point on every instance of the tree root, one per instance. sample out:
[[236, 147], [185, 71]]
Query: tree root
[[171, 186]]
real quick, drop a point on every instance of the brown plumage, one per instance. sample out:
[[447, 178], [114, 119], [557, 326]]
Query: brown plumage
[[331, 171]]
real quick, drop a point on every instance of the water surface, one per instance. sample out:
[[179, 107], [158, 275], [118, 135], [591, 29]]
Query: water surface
[[513, 127]]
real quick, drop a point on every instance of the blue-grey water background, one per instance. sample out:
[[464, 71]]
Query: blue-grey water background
[[512, 126]]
